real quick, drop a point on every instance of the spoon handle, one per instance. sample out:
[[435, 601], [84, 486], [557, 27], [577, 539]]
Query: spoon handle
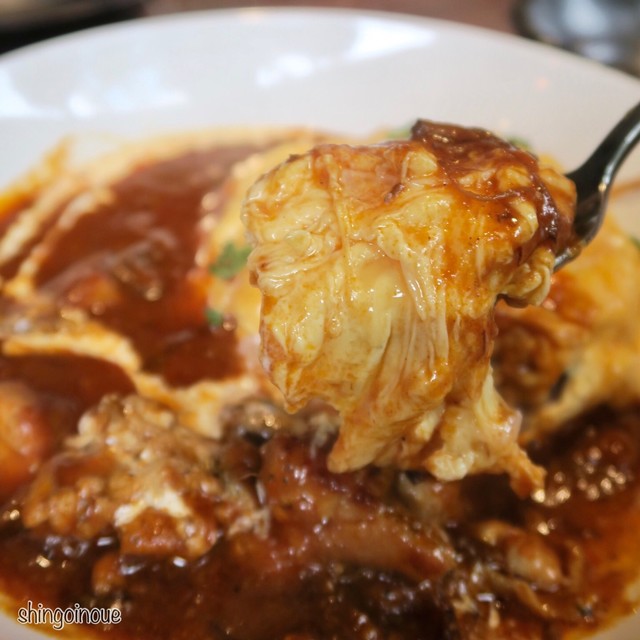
[[594, 177], [602, 165]]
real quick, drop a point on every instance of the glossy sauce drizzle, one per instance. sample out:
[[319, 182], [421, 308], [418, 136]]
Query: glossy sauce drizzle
[[317, 574], [132, 264]]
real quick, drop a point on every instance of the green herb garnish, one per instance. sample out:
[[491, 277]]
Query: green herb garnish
[[214, 317], [400, 133], [231, 261], [635, 241], [521, 143]]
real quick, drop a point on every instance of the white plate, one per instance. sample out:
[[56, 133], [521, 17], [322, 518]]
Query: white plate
[[338, 70]]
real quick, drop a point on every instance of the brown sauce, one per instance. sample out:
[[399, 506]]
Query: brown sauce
[[66, 385], [132, 264], [306, 580], [346, 556], [463, 149]]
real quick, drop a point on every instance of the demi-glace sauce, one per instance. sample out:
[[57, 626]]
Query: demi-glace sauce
[[346, 556], [66, 385], [132, 264], [451, 144], [307, 580]]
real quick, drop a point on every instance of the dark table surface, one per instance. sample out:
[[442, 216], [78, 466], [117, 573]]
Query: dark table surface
[[521, 17], [491, 14]]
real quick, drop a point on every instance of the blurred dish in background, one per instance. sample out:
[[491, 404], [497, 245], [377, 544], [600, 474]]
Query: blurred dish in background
[[24, 22], [18, 15], [606, 30]]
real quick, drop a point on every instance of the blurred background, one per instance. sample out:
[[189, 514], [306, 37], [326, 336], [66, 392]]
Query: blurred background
[[606, 30]]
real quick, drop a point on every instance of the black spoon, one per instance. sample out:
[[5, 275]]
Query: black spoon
[[594, 178]]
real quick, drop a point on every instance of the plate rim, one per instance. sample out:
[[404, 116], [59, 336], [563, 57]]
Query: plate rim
[[270, 13], [15, 57]]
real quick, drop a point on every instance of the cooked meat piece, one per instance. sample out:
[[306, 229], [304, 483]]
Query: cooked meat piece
[[330, 518], [134, 469], [25, 439]]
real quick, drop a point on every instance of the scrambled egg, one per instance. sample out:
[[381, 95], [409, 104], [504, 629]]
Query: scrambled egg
[[379, 268], [581, 347]]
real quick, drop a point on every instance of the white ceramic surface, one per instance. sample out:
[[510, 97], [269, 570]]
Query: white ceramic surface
[[338, 70]]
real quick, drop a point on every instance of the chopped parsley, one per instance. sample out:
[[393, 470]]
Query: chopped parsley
[[635, 241], [400, 132], [214, 317], [521, 143], [231, 261]]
